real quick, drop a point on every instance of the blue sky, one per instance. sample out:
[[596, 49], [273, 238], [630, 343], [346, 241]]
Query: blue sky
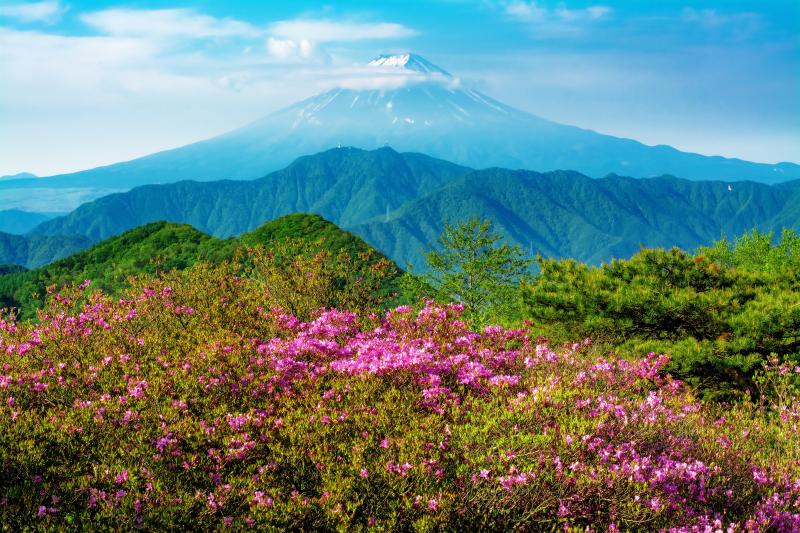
[[90, 83]]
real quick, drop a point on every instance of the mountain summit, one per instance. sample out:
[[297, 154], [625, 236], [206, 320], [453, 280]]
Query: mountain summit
[[406, 102], [411, 62]]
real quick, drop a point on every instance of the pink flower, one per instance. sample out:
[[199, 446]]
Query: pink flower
[[121, 478]]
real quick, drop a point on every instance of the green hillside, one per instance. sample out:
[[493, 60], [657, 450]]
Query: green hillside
[[566, 214], [398, 203], [164, 246], [32, 251], [720, 313]]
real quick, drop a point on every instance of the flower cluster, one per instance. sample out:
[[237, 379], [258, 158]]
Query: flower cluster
[[180, 405]]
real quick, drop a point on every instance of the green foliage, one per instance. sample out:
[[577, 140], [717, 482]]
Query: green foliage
[[32, 251], [470, 266], [301, 277], [758, 252], [347, 186], [566, 214], [11, 269], [161, 247], [721, 314]]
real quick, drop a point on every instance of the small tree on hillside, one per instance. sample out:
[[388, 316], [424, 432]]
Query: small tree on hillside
[[472, 267]]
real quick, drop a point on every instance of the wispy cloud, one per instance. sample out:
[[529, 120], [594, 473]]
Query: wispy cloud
[[531, 11], [738, 25], [134, 67], [304, 39], [338, 31], [166, 23], [289, 50], [47, 12]]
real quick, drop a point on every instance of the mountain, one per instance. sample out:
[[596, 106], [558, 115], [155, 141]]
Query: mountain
[[399, 203], [425, 109], [346, 185], [18, 222], [567, 214], [163, 246], [18, 176], [35, 250]]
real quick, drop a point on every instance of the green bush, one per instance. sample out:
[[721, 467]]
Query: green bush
[[720, 313]]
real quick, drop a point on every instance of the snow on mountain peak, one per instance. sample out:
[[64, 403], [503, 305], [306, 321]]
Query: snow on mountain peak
[[411, 62]]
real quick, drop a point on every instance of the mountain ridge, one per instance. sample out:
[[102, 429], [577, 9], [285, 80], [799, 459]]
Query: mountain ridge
[[399, 203]]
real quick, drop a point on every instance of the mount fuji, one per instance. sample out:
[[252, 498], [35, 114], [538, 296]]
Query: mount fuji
[[419, 108]]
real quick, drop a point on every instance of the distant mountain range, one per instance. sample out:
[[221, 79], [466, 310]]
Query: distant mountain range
[[399, 202], [37, 250], [18, 222], [18, 176], [427, 111]]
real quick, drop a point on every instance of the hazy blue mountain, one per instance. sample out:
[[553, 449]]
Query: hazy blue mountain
[[18, 222], [432, 113], [400, 202], [18, 176], [36, 250]]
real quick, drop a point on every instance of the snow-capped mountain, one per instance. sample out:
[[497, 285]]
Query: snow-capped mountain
[[412, 105], [411, 62]]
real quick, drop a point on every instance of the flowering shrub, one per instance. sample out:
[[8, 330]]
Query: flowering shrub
[[188, 404]]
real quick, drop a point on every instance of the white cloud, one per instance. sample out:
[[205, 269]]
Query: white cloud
[[527, 11], [534, 13], [323, 31], [166, 23], [299, 40], [740, 25], [289, 50], [47, 12], [92, 100]]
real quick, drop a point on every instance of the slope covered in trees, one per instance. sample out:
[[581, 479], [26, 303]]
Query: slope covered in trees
[[400, 203], [566, 214], [32, 251], [163, 246], [17, 222], [344, 185]]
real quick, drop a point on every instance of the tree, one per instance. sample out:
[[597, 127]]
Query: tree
[[472, 267]]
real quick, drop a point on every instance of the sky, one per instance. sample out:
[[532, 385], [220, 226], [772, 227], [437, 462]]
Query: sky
[[87, 83]]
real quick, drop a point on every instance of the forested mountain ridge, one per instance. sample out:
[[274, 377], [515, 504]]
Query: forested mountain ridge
[[400, 202]]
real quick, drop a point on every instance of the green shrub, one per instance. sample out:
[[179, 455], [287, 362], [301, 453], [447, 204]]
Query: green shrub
[[720, 313]]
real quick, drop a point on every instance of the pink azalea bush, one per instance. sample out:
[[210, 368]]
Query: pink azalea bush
[[189, 405]]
